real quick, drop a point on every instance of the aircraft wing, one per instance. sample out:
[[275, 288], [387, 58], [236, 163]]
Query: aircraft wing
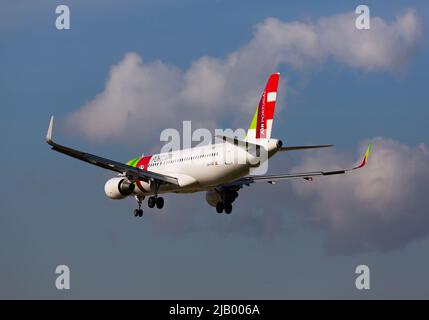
[[131, 173], [305, 175]]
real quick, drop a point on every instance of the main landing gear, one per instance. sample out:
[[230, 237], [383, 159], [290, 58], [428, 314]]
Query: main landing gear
[[226, 198], [155, 200], [152, 201], [224, 206]]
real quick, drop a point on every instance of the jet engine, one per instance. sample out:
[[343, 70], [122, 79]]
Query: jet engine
[[118, 188], [213, 197]]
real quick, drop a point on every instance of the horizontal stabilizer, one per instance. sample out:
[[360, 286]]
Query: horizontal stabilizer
[[235, 140], [305, 147]]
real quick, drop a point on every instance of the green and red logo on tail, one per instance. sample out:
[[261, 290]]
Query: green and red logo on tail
[[262, 121]]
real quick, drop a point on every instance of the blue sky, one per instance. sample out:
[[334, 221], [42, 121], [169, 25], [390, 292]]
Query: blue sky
[[53, 209]]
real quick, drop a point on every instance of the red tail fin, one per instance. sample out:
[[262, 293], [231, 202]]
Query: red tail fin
[[262, 121]]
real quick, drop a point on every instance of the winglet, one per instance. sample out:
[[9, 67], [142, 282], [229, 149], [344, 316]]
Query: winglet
[[49, 133], [365, 158]]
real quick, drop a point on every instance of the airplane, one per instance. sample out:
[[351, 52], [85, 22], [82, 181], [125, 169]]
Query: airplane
[[207, 168]]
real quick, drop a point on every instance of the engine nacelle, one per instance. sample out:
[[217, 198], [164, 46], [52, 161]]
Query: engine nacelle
[[118, 188], [223, 195], [213, 197]]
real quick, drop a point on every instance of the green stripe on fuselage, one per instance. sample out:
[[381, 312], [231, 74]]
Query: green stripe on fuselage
[[133, 162]]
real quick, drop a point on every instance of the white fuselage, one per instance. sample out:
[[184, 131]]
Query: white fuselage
[[204, 167]]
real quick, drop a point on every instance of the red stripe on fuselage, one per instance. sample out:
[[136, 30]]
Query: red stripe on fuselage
[[142, 164]]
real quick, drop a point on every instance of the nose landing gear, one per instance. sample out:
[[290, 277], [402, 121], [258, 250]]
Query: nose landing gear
[[139, 212]]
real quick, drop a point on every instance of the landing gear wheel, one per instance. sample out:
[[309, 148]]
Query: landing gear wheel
[[160, 202], [138, 212], [151, 202], [219, 207], [228, 208]]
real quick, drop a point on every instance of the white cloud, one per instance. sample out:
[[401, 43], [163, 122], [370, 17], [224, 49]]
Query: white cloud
[[383, 206], [385, 46], [142, 98]]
